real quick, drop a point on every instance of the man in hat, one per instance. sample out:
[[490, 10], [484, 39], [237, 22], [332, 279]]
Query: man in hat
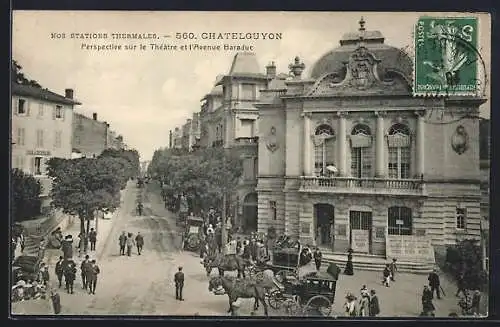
[[92, 239], [59, 270], [84, 267], [139, 242], [434, 283], [374, 305], [318, 256], [56, 301], [393, 268], [69, 275], [476, 303], [93, 271], [179, 284], [122, 241]]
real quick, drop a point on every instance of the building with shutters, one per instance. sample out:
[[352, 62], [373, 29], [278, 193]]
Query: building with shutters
[[90, 136], [41, 129], [348, 157]]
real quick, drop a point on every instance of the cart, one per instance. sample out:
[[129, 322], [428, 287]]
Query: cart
[[191, 235], [312, 295]]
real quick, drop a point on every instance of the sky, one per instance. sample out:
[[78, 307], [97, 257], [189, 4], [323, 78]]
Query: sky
[[143, 94]]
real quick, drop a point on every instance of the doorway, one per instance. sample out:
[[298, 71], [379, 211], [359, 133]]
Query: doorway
[[250, 212], [324, 218], [360, 234]]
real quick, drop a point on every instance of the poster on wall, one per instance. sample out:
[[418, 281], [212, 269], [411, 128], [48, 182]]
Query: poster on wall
[[359, 240]]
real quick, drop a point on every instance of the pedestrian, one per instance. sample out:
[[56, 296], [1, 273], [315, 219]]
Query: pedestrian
[[94, 271], [239, 246], [67, 247], [45, 275], [84, 267], [92, 239], [318, 256], [427, 306], [139, 242], [349, 269], [59, 270], [434, 283], [69, 275], [476, 302], [179, 284], [122, 240], [460, 284], [56, 301], [350, 305], [393, 268], [364, 305], [130, 243], [374, 304], [387, 276]]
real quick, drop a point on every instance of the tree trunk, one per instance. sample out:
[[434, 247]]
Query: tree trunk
[[88, 226], [82, 225], [224, 215]]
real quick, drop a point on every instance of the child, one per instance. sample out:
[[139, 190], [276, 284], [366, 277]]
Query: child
[[387, 276]]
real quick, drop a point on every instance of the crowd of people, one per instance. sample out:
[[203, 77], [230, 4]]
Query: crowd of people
[[367, 306]]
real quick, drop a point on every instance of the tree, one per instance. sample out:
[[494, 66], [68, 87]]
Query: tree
[[133, 166], [25, 195], [204, 176], [19, 77], [466, 259], [83, 186]]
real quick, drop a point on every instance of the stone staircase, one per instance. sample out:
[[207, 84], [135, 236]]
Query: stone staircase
[[376, 263]]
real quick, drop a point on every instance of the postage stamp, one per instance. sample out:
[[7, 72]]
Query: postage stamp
[[446, 57]]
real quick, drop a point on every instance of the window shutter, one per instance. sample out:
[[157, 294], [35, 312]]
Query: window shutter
[[54, 112], [16, 107], [28, 107], [63, 113]]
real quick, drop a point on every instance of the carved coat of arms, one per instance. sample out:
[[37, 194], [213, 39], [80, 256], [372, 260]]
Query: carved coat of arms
[[272, 140], [361, 65]]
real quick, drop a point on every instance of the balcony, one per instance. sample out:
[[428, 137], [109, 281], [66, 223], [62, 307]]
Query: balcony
[[349, 185], [246, 140]]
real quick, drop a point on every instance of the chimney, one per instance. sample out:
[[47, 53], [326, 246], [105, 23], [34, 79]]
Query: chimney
[[94, 116], [68, 93], [271, 70]]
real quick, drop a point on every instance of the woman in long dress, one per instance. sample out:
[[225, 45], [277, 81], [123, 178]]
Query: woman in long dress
[[349, 269]]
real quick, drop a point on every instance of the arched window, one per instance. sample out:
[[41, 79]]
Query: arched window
[[361, 151], [399, 221], [399, 151], [324, 138]]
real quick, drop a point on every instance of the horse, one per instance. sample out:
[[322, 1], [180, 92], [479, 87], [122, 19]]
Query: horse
[[240, 288], [223, 263]]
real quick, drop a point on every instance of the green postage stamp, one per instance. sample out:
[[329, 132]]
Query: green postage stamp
[[446, 56]]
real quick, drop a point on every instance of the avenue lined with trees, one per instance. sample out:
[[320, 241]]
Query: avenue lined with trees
[[84, 186]]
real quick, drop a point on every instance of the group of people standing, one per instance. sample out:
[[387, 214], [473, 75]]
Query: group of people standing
[[127, 241], [367, 306], [67, 269]]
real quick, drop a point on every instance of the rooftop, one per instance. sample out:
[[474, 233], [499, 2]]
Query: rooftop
[[42, 94]]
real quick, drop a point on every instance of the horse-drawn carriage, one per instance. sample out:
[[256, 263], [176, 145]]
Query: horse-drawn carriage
[[300, 289], [191, 236]]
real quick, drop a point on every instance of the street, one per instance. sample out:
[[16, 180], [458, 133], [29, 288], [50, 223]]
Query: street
[[143, 285]]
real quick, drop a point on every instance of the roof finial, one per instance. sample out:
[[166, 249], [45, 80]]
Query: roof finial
[[362, 24]]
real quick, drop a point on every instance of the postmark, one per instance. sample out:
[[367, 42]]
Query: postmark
[[447, 60]]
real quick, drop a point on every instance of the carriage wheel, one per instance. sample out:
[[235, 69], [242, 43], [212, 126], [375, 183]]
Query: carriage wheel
[[318, 305], [292, 308], [281, 275], [275, 299]]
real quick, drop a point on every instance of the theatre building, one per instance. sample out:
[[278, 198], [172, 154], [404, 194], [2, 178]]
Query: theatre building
[[349, 158]]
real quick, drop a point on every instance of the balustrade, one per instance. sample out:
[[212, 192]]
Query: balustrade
[[341, 183]]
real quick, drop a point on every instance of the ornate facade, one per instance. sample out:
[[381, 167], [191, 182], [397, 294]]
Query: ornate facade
[[349, 158]]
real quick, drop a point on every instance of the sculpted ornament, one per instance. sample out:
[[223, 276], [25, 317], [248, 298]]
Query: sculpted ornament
[[272, 140]]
